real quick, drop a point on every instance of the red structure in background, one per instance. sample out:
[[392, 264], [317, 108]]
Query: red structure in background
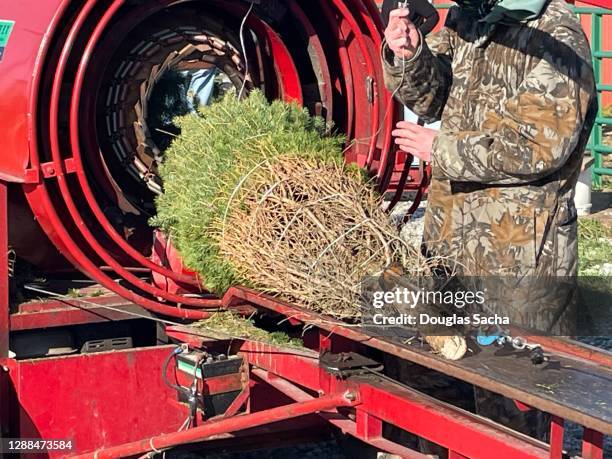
[[73, 73], [606, 43]]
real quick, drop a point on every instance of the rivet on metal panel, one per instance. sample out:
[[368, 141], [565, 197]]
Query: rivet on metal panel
[[48, 170]]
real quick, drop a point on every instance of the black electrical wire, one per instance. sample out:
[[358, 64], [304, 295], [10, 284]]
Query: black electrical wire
[[170, 384]]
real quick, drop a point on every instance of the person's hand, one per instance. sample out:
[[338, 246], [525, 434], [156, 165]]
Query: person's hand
[[414, 139], [401, 34]]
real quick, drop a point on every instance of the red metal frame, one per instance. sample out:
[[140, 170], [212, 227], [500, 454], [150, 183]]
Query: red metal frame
[[337, 330], [116, 403], [122, 395], [95, 400], [143, 402], [81, 240], [5, 413], [326, 402], [465, 434], [4, 274], [59, 313]]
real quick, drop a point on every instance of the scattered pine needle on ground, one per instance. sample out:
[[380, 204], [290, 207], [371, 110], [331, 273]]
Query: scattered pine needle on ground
[[235, 326]]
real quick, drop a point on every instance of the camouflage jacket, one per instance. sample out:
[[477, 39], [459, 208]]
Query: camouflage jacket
[[517, 103]]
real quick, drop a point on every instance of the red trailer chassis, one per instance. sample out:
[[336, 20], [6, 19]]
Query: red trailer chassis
[[116, 403]]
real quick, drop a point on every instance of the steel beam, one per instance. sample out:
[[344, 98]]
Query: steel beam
[[233, 424], [4, 312], [556, 437], [373, 437], [4, 272], [592, 444], [60, 313], [540, 401], [453, 428]]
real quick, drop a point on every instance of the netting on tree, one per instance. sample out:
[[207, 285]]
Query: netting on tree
[[258, 194]]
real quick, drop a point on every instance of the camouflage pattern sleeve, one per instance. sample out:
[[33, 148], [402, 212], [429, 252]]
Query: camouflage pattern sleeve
[[531, 134], [423, 82]]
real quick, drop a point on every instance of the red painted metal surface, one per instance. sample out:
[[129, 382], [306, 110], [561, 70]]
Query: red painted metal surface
[[118, 398], [320, 63], [128, 385], [5, 412], [75, 141], [236, 423], [371, 124], [165, 255], [83, 233], [426, 417], [96, 399], [21, 60], [60, 313], [353, 334], [592, 444], [238, 403], [556, 437], [601, 3], [465, 434], [344, 80], [4, 274], [367, 119], [284, 67], [371, 434]]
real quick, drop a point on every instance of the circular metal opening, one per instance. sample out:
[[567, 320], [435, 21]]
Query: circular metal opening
[[158, 72], [104, 106]]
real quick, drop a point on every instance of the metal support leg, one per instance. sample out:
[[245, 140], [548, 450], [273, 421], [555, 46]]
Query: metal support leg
[[368, 427], [4, 274], [592, 444], [556, 437], [4, 312]]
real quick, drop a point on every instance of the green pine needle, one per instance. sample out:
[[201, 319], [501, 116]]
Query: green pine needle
[[215, 150]]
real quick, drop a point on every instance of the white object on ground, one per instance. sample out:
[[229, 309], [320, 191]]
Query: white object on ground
[[582, 197], [412, 230]]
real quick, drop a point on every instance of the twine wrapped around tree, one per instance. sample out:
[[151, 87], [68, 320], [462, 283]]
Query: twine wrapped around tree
[[310, 231], [258, 194]]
